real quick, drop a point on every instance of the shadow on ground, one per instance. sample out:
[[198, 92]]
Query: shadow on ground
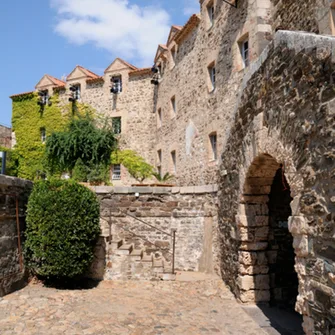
[[275, 320]]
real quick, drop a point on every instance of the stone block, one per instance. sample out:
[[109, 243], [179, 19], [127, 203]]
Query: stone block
[[121, 190], [245, 234], [203, 189], [261, 234], [103, 189], [297, 225], [300, 244], [255, 296], [161, 190], [253, 269], [254, 246], [187, 190]]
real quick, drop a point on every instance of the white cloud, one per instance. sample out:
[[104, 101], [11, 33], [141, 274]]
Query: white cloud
[[191, 7], [125, 30]]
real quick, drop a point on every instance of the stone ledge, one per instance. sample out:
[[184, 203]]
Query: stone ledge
[[205, 189], [13, 181]]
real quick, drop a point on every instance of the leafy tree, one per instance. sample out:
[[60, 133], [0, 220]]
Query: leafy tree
[[81, 140], [137, 167], [62, 228], [164, 178]]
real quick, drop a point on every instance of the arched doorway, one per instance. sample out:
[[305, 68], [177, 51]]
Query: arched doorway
[[266, 253]]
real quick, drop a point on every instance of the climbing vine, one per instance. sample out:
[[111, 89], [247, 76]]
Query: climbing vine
[[28, 120]]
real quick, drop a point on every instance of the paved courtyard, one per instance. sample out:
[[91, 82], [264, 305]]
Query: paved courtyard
[[182, 307]]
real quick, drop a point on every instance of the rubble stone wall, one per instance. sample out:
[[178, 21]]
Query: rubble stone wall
[[192, 211], [12, 272], [284, 118]]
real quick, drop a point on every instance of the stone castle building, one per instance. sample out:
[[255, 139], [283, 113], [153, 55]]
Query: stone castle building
[[242, 97]]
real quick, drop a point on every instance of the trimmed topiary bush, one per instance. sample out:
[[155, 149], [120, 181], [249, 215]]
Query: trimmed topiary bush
[[62, 229]]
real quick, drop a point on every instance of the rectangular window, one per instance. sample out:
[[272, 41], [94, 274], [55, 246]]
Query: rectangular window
[[116, 85], [159, 154], [116, 125], [212, 75], [75, 92], [116, 172], [245, 52], [159, 170], [43, 135], [44, 97], [174, 161], [211, 13], [159, 115], [173, 105], [174, 54], [213, 141]]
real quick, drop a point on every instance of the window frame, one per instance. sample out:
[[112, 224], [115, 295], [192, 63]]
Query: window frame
[[212, 76], [116, 172], [117, 83], [211, 13], [119, 125], [159, 117], [43, 134], [213, 141], [245, 52], [174, 161], [174, 105]]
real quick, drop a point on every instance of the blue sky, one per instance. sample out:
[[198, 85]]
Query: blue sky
[[53, 36]]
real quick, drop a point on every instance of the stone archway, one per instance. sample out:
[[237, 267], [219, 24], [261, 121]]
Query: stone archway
[[266, 254]]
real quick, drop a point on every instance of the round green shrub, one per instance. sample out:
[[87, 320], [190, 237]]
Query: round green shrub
[[62, 228]]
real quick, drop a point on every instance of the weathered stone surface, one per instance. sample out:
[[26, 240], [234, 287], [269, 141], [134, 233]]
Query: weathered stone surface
[[12, 271]]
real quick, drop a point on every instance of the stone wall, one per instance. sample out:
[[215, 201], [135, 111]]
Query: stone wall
[[12, 272], [192, 211], [5, 136], [284, 120], [302, 15]]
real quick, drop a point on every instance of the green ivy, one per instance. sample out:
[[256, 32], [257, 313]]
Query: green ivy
[[28, 119]]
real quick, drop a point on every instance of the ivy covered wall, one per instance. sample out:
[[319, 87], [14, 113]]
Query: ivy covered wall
[[28, 120]]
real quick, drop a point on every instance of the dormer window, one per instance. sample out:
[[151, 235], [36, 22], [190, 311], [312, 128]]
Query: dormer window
[[75, 93], [44, 97], [116, 85]]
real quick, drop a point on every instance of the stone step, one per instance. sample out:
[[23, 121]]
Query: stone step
[[115, 244], [136, 255], [157, 263], [125, 249], [147, 258]]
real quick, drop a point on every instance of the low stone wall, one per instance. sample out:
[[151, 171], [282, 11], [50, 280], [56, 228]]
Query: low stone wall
[[191, 211], [14, 194]]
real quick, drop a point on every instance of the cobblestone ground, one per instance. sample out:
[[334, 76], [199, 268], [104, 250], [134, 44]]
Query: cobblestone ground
[[134, 308]]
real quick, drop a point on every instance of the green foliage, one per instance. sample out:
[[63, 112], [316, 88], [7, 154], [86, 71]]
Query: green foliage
[[137, 167], [28, 119], [12, 161], [94, 174], [62, 228], [164, 178], [82, 140]]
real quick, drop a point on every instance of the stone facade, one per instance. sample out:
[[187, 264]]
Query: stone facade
[[14, 195], [244, 99], [5, 136]]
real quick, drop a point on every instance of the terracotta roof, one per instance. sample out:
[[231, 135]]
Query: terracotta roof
[[56, 81], [94, 80], [191, 23], [21, 94], [88, 72], [141, 71], [122, 61], [160, 46]]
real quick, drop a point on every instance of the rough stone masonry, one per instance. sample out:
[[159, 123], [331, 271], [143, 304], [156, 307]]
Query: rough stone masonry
[[14, 194]]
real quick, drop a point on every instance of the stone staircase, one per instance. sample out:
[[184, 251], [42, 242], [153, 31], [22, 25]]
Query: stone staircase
[[125, 262]]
